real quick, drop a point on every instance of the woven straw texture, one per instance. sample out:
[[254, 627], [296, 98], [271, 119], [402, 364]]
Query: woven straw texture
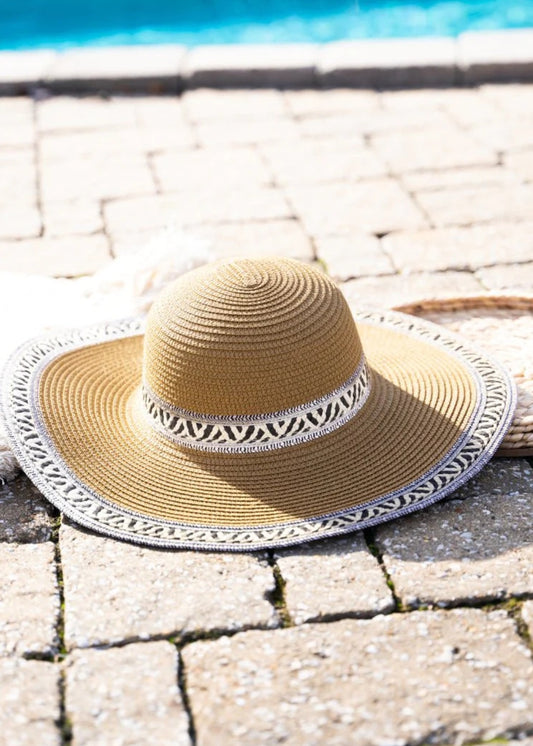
[[94, 410], [503, 325], [285, 337], [241, 339], [209, 349]]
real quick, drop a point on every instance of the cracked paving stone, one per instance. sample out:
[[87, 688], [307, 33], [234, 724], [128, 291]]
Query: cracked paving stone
[[25, 515], [126, 695], [444, 677], [461, 551], [29, 599], [333, 577], [143, 592], [29, 693]]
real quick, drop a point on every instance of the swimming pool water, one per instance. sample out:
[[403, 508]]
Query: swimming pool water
[[67, 23]]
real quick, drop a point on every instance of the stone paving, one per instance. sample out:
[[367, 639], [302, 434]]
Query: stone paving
[[414, 633]]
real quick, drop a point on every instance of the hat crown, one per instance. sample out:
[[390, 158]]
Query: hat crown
[[249, 337]]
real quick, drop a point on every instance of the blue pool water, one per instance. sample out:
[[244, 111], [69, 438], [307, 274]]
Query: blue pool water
[[66, 23]]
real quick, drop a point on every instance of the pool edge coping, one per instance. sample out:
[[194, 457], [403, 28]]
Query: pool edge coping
[[470, 59]]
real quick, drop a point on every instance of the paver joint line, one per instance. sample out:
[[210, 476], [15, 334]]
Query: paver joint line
[[277, 598], [370, 539], [182, 686], [62, 651], [65, 722]]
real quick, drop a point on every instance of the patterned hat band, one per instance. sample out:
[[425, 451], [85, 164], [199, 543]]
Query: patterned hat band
[[245, 434]]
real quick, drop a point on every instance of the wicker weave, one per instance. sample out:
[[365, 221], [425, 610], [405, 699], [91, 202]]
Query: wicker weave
[[262, 349], [503, 325]]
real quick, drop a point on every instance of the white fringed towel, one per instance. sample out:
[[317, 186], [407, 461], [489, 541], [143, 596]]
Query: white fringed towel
[[32, 304]]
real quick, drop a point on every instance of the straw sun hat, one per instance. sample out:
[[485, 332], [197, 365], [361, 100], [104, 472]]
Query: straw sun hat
[[252, 411]]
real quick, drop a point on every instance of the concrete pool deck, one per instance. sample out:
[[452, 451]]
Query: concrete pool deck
[[470, 59], [416, 633]]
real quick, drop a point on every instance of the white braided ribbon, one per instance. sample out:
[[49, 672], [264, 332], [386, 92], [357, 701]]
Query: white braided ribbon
[[245, 434]]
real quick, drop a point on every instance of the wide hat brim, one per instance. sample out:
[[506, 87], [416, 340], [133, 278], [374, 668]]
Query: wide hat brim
[[436, 413], [505, 324]]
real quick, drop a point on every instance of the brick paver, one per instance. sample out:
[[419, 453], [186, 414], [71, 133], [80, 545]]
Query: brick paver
[[18, 176], [208, 105], [257, 238], [16, 110], [83, 144], [239, 132], [469, 248], [148, 592], [462, 550], [220, 168], [72, 218], [394, 290], [517, 278], [400, 195], [317, 161], [193, 208], [30, 712], [463, 206], [506, 133], [17, 135], [469, 176], [367, 122], [521, 163], [376, 206], [353, 255], [466, 107], [134, 697], [328, 103], [432, 149], [346, 580], [96, 177], [70, 113], [446, 677], [64, 256], [19, 220], [29, 599], [25, 514]]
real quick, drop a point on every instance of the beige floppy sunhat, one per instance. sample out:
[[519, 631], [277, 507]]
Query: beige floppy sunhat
[[252, 410]]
